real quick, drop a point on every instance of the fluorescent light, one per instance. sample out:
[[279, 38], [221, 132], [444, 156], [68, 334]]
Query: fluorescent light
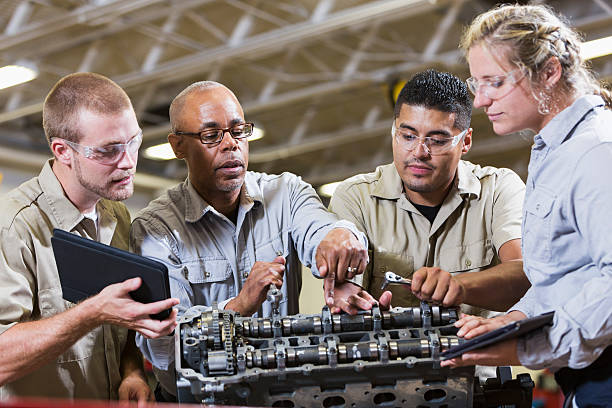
[[596, 48], [12, 75], [164, 151], [258, 133], [327, 190], [160, 152]]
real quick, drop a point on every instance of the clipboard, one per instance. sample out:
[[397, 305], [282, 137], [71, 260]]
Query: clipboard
[[86, 267], [507, 332]]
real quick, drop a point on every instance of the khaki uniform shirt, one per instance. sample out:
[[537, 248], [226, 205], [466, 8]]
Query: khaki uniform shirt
[[481, 212], [30, 287]]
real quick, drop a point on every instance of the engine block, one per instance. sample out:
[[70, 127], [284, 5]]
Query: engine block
[[375, 358]]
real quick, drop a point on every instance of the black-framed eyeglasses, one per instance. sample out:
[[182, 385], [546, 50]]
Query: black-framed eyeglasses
[[109, 154], [215, 135]]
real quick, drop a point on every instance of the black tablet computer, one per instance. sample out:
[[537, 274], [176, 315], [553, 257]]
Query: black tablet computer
[[86, 267], [515, 329]]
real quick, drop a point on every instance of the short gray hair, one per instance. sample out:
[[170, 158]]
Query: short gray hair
[[178, 103]]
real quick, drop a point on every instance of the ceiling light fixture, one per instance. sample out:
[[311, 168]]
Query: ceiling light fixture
[[164, 151], [596, 48], [258, 133], [160, 152], [327, 190], [11, 75]]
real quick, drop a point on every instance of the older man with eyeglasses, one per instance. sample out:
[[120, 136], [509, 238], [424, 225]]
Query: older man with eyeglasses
[[227, 234], [431, 216], [49, 346]]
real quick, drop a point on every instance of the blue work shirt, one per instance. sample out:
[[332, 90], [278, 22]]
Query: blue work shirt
[[567, 238], [209, 257]]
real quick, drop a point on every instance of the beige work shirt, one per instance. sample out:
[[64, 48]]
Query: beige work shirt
[[481, 212], [30, 287]]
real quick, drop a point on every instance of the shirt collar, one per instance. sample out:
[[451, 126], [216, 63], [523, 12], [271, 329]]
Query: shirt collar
[[389, 185], [467, 183], [558, 129], [66, 214], [196, 206]]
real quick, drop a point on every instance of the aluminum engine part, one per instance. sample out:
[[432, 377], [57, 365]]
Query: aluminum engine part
[[375, 358]]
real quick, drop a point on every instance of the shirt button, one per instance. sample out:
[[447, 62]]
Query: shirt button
[[207, 274], [538, 207], [468, 262], [245, 274], [279, 253]]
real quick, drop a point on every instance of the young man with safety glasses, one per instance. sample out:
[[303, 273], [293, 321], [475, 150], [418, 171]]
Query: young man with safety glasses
[[51, 347], [431, 216]]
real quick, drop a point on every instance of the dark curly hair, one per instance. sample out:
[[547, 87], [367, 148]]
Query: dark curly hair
[[438, 90]]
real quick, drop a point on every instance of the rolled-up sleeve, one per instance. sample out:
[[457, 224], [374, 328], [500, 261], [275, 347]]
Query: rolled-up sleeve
[[311, 222], [507, 208]]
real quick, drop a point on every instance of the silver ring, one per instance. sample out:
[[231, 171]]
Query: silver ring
[[350, 269]]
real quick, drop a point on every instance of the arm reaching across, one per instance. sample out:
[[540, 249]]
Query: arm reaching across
[[340, 256], [29, 345], [480, 288]]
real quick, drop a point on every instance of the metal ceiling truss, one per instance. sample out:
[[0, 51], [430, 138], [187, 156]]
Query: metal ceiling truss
[[311, 73]]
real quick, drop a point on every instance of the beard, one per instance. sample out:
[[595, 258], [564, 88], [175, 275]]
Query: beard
[[105, 191], [231, 185], [420, 188]]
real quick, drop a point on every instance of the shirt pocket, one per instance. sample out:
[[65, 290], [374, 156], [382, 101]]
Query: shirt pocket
[[467, 258], [269, 250], [537, 225], [207, 271], [51, 303], [403, 265]]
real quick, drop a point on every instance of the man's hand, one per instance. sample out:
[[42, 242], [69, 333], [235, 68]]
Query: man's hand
[[337, 252], [350, 298], [503, 353], [114, 305], [253, 294], [385, 300], [438, 286], [134, 387]]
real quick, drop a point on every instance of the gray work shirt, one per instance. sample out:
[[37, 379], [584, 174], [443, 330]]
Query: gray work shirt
[[209, 257], [567, 250]]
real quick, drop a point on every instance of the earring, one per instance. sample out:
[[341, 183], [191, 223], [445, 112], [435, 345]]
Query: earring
[[543, 103]]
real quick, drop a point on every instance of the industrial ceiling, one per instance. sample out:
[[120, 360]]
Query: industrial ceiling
[[315, 75]]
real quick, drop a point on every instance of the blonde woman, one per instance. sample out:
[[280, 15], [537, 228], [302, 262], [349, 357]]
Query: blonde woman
[[527, 73]]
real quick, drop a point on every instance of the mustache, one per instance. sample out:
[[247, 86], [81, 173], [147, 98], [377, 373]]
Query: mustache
[[231, 160], [416, 162], [123, 174]]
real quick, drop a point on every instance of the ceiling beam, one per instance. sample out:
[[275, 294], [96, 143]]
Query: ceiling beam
[[258, 45], [87, 14], [320, 90], [320, 142], [271, 41]]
